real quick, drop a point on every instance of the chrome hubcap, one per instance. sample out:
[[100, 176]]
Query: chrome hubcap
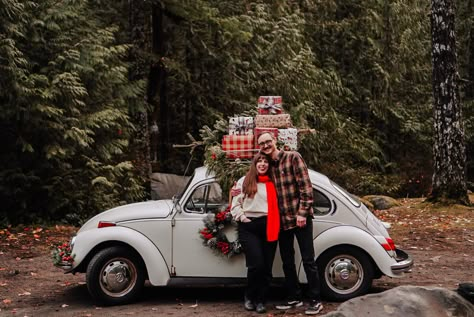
[[344, 274], [118, 276]]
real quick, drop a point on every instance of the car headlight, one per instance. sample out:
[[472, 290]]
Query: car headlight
[[73, 240]]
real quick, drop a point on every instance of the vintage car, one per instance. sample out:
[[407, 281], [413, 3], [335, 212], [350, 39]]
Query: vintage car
[[159, 241]]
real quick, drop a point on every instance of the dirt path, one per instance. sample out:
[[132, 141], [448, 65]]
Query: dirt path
[[440, 240]]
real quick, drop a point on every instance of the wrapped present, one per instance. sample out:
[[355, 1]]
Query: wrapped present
[[273, 121], [238, 146], [269, 105], [259, 131], [241, 125], [289, 138]]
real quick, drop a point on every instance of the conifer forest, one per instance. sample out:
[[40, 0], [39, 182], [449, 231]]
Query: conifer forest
[[95, 95]]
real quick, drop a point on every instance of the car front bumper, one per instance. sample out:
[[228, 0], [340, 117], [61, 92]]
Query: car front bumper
[[404, 262]]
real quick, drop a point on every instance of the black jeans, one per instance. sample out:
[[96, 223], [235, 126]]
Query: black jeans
[[259, 255], [304, 236]]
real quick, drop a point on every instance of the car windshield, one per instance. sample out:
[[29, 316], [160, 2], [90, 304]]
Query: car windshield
[[178, 196], [353, 200]]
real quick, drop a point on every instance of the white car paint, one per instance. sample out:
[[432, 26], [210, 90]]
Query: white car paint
[[165, 236]]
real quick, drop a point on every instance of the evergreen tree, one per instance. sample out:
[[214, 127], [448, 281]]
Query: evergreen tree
[[70, 123]]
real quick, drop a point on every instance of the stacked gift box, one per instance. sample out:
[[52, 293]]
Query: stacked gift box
[[241, 142], [271, 118]]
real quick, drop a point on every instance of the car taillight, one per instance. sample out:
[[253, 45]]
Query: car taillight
[[105, 224], [389, 246]]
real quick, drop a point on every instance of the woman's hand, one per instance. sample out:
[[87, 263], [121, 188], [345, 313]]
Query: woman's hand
[[245, 219]]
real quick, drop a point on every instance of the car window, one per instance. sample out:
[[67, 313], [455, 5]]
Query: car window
[[321, 203], [206, 199]]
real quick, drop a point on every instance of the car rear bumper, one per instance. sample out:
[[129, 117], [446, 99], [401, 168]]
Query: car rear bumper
[[404, 262]]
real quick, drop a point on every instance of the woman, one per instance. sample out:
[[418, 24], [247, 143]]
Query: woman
[[256, 211]]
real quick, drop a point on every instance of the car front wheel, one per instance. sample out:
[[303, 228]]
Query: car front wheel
[[345, 273], [115, 275]]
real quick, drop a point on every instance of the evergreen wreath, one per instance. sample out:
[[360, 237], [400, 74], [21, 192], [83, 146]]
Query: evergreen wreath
[[62, 256], [213, 236]]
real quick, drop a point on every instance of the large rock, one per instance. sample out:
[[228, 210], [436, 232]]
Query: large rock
[[407, 301], [381, 202]]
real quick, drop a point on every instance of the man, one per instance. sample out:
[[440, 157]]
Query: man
[[295, 201]]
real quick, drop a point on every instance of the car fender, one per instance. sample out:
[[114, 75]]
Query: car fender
[[350, 235], [155, 263]]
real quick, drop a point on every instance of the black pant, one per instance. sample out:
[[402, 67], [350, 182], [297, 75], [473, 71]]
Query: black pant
[[259, 255], [304, 236]]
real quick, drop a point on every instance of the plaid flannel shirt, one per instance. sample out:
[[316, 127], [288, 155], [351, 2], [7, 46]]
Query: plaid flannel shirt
[[293, 186]]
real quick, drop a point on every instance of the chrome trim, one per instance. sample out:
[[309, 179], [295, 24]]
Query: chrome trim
[[404, 262]]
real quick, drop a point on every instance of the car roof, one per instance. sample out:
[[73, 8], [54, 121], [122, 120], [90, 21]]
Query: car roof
[[203, 172], [316, 178]]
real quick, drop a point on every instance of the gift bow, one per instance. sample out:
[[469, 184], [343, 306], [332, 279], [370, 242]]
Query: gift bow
[[272, 108], [242, 125]]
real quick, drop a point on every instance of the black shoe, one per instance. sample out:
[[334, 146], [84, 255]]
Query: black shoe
[[261, 308], [289, 304], [248, 304], [314, 308]]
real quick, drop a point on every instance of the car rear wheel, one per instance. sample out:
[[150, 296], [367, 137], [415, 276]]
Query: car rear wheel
[[345, 273], [115, 275]]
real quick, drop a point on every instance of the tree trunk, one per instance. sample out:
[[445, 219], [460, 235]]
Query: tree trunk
[[449, 180], [470, 72], [157, 88], [140, 141]]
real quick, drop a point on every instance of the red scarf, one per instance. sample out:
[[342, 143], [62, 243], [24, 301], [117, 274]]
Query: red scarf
[[273, 218]]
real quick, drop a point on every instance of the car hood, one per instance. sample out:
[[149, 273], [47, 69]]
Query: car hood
[[144, 210]]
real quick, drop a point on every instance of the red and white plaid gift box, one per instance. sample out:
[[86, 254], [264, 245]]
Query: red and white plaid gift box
[[273, 121], [238, 146], [259, 131], [269, 105], [289, 138]]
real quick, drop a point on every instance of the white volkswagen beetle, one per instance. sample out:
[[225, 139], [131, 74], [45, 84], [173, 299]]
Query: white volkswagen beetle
[[159, 241]]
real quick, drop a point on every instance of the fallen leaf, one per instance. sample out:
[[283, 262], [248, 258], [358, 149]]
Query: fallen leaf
[[24, 294], [3, 284], [64, 305], [7, 301], [436, 258], [194, 306], [33, 273]]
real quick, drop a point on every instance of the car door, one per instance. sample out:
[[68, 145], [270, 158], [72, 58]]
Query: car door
[[190, 258]]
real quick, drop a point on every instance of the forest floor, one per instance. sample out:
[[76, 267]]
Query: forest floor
[[440, 239]]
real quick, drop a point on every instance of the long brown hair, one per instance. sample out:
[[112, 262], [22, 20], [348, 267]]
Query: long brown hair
[[249, 187]]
